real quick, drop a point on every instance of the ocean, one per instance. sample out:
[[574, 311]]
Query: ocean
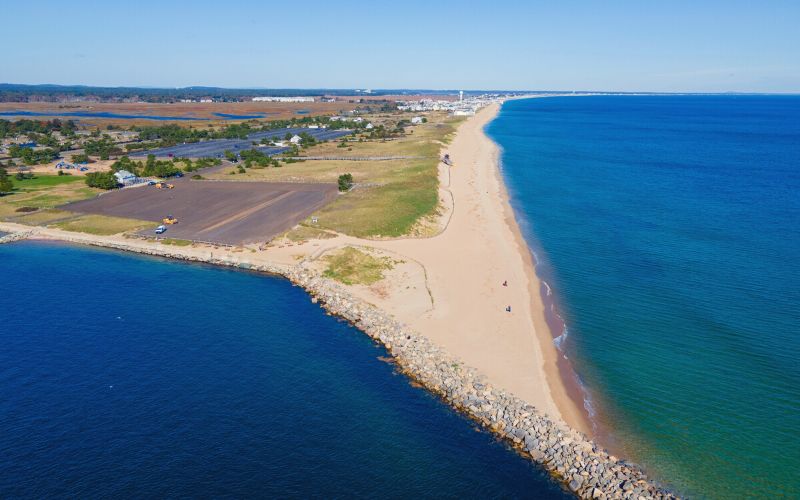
[[130, 376], [668, 228]]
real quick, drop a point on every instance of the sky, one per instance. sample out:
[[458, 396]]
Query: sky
[[644, 45]]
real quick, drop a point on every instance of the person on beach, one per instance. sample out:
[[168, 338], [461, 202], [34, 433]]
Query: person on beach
[[505, 283], [508, 309]]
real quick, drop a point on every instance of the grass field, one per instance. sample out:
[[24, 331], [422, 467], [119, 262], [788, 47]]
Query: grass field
[[43, 217], [390, 197], [43, 192], [43, 181], [102, 225], [356, 267]]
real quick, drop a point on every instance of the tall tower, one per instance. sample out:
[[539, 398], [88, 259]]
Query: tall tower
[[460, 95]]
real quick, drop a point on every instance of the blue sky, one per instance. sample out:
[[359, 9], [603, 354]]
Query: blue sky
[[559, 45]]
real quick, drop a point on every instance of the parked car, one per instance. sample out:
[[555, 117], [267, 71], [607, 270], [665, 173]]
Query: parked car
[[160, 229]]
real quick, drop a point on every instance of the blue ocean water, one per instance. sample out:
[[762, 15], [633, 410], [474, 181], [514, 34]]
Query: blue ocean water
[[105, 114], [127, 376], [669, 230]]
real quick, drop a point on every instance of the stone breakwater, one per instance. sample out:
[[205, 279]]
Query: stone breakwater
[[585, 468]]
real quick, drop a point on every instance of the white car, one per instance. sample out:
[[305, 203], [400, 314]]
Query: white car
[[160, 229]]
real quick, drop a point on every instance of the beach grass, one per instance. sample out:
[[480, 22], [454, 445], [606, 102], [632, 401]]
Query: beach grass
[[102, 225], [175, 242], [303, 233], [352, 266]]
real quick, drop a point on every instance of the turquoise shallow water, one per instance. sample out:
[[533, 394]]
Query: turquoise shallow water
[[669, 230], [124, 376]]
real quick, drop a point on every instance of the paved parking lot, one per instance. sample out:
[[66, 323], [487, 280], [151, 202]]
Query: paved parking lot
[[216, 148], [232, 213]]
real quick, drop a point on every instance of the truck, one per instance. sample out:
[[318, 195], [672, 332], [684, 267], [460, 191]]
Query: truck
[[160, 229]]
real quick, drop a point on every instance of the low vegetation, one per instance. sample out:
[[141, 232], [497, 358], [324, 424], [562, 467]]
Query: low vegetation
[[304, 233], [175, 242], [101, 180], [352, 266], [345, 182]]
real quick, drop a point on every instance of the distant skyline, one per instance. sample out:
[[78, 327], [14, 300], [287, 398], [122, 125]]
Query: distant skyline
[[679, 46]]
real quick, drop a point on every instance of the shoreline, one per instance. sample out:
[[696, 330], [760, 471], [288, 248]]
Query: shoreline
[[481, 360], [560, 376]]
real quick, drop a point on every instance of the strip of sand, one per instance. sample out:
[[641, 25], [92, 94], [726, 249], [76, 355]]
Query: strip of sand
[[466, 266]]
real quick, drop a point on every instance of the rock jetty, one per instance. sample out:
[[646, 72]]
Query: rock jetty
[[572, 458]]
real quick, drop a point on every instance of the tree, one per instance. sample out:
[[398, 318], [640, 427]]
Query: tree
[[80, 158], [345, 182], [102, 180], [6, 186]]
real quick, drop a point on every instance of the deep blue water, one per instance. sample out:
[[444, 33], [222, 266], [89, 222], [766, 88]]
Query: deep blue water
[[669, 230], [105, 114], [126, 376], [231, 116]]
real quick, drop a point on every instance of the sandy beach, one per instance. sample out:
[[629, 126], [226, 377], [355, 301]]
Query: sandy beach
[[466, 266]]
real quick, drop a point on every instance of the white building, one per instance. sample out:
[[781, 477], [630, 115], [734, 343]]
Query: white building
[[283, 99], [124, 177], [369, 126], [296, 139], [416, 120], [464, 112]]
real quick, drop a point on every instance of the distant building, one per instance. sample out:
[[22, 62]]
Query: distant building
[[313, 126], [369, 126], [125, 178], [295, 139], [283, 99], [206, 99], [464, 112], [417, 120]]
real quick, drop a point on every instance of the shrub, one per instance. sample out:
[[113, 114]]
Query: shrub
[[345, 182], [102, 180]]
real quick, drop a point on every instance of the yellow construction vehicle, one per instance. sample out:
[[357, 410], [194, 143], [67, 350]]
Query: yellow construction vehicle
[[164, 185], [169, 220]]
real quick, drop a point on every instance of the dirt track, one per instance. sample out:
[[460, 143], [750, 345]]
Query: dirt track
[[225, 212]]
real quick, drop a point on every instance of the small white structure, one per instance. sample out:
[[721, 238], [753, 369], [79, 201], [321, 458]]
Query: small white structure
[[296, 139], [313, 126], [125, 178], [283, 99], [464, 112], [369, 126], [417, 120]]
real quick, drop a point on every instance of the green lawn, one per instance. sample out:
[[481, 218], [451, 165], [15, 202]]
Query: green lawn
[[44, 181]]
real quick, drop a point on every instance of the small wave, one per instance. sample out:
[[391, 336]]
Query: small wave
[[558, 341]]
